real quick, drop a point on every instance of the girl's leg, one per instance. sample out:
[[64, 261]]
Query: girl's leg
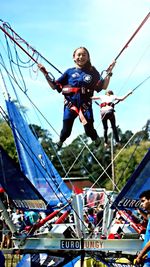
[[90, 131], [105, 126], [113, 124], [67, 128]]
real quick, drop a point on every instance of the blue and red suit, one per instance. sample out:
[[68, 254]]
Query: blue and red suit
[[78, 85]]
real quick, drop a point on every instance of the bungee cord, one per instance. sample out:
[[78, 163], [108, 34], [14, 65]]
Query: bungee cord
[[125, 46], [129, 41], [10, 56], [135, 68], [16, 38], [134, 34], [140, 84], [12, 63]]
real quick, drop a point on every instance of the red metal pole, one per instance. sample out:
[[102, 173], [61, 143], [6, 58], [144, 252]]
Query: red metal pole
[[62, 217]]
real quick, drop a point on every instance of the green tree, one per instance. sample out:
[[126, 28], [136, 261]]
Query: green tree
[[128, 160], [125, 137], [7, 140], [147, 129]]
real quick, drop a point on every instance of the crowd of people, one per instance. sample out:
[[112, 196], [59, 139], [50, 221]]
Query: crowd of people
[[93, 217], [21, 220]]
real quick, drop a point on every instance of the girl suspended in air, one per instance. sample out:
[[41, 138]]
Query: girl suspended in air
[[78, 84], [107, 112]]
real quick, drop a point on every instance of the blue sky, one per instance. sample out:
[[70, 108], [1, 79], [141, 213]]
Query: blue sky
[[57, 28]]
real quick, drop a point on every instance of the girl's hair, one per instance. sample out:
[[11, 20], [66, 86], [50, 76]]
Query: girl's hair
[[88, 64], [82, 47], [110, 92]]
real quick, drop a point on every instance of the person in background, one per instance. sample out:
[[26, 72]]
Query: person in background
[[6, 236], [16, 215], [107, 112], [144, 255], [99, 215], [91, 216], [78, 84], [32, 217]]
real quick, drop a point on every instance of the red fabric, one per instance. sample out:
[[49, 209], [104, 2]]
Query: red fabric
[[77, 190], [114, 236], [2, 190]]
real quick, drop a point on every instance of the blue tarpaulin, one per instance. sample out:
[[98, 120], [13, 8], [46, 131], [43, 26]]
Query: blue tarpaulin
[[18, 187], [137, 183], [34, 162]]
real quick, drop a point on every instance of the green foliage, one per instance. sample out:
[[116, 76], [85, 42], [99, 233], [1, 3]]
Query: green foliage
[[6, 140], [125, 137], [128, 160], [82, 158]]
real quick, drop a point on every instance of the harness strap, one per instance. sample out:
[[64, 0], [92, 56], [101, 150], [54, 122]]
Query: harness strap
[[67, 90], [82, 118], [78, 111], [104, 104]]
